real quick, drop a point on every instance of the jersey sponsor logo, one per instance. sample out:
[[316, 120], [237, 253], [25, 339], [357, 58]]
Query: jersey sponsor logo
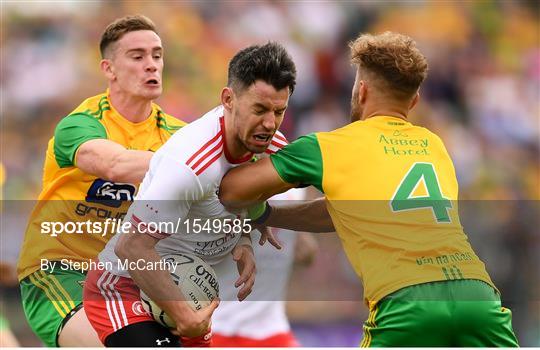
[[82, 210], [137, 308], [216, 247], [109, 193]]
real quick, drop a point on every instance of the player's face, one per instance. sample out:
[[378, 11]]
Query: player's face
[[137, 64], [356, 108], [258, 112]]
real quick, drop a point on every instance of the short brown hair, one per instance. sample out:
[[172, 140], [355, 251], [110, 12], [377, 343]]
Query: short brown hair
[[392, 60], [116, 30]]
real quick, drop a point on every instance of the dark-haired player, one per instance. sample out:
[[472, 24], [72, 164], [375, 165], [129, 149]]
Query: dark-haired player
[[182, 184]]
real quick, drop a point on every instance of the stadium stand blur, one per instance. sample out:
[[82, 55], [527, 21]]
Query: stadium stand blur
[[482, 97]]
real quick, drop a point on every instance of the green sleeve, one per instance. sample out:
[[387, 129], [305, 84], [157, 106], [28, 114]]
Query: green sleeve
[[73, 131], [300, 162]]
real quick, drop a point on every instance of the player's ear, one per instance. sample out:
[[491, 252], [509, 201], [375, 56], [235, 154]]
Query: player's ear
[[227, 97], [107, 69], [415, 100], [362, 91]]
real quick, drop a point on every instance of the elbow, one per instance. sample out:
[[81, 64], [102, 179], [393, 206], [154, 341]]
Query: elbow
[[112, 175], [231, 202], [113, 172], [226, 196]]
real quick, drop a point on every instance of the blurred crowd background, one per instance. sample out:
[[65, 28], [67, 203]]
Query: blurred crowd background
[[482, 96]]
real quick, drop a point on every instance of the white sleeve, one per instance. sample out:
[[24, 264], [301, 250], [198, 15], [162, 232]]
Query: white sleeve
[[165, 198]]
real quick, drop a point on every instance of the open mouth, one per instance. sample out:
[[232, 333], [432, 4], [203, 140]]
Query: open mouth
[[262, 137], [154, 82]]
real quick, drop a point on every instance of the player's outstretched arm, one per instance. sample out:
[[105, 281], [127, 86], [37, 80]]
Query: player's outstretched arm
[[248, 184], [111, 161], [309, 216]]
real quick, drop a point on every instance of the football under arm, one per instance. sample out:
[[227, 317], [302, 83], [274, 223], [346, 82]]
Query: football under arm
[[111, 161], [157, 284]]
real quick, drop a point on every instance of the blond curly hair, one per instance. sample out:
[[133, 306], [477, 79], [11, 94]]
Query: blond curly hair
[[391, 61]]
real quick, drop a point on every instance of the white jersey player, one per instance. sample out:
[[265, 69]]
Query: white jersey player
[[177, 209], [177, 202]]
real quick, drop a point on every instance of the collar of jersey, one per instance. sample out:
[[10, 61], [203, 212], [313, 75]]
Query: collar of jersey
[[228, 156], [377, 118], [121, 119]]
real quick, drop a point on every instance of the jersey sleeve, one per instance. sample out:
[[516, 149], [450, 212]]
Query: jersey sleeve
[[73, 131], [300, 162], [167, 192]]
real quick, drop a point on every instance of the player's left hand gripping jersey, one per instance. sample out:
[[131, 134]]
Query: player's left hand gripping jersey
[[71, 196], [178, 201]]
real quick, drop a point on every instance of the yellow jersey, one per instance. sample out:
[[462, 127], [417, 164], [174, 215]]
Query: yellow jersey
[[392, 194], [71, 196]]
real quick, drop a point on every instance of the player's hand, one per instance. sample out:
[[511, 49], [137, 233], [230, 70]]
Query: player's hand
[[195, 323], [245, 262], [268, 235]]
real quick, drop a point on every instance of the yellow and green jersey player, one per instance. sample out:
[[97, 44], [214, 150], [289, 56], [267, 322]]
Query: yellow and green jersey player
[[391, 195], [94, 164]]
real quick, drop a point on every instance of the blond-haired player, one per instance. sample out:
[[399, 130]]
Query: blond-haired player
[[391, 194]]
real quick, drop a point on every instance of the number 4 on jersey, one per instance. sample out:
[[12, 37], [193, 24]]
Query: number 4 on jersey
[[404, 199]]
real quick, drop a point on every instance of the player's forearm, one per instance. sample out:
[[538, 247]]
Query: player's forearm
[[111, 161], [157, 284], [129, 166], [309, 216]]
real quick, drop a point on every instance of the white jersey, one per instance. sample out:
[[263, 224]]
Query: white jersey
[[262, 314], [178, 201]]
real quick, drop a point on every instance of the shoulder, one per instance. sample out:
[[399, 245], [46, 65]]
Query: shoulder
[[197, 142], [436, 139], [93, 106], [80, 122], [168, 122], [171, 120], [297, 149]]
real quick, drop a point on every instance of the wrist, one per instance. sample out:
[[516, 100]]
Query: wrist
[[244, 240], [259, 213]]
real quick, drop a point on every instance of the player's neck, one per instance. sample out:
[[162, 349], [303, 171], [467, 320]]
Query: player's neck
[[134, 109], [390, 110]]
